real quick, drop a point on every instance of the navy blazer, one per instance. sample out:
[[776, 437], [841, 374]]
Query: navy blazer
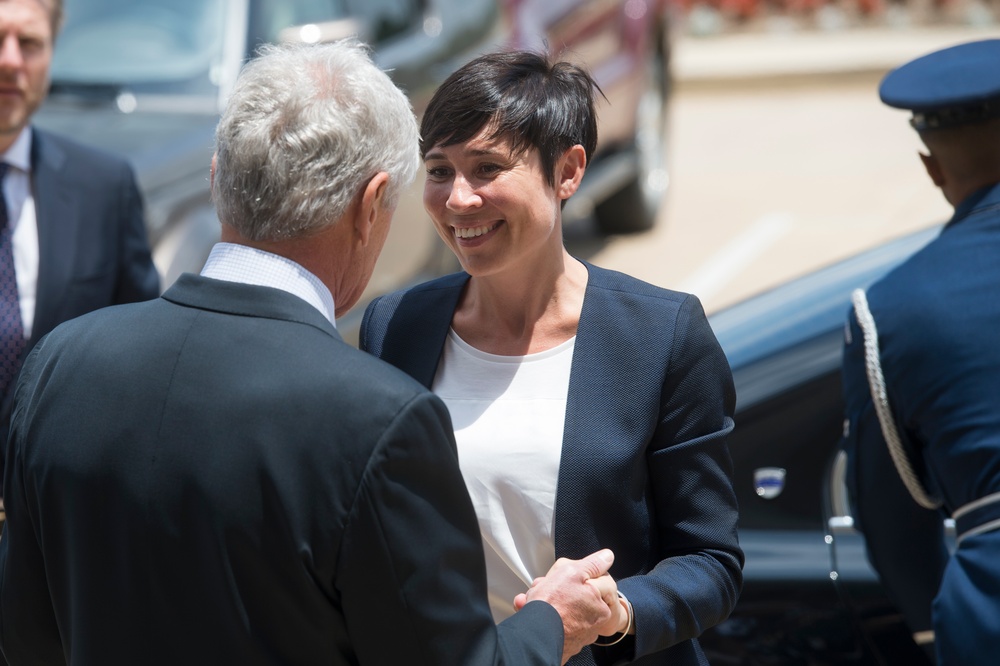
[[216, 477], [645, 469], [938, 321], [92, 245], [93, 249]]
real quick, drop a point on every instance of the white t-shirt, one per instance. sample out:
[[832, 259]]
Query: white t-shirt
[[508, 413]]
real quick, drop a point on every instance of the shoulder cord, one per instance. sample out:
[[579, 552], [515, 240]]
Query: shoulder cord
[[876, 381]]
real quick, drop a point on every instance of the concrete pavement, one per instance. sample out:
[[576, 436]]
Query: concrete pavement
[[731, 58]]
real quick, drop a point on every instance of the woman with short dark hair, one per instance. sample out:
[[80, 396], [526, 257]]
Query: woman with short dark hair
[[590, 409]]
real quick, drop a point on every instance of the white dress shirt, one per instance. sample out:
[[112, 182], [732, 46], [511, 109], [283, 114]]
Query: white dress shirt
[[240, 263]]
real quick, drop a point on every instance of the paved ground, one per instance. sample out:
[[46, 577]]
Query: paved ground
[[783, 159], [730, 57]]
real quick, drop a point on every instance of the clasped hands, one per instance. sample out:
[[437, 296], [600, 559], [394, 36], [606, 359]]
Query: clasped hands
[[586, 598]]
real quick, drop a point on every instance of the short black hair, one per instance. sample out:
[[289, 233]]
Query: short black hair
[[529, 100]]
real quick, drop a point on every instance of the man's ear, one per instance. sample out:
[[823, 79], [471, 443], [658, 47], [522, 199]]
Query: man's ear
[[933, 168], [371, 206], [569, 171], [211, 172]]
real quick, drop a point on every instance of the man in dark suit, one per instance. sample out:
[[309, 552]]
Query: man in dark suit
[[922, 373], [73, 234], [216, 477]]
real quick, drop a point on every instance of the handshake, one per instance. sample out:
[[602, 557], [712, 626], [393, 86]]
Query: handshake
[[586, 598]]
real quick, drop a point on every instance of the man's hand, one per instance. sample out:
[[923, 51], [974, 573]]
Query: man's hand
[[583, 595]]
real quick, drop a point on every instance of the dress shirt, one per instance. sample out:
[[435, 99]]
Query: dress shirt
[[21, 211], [247, 265]]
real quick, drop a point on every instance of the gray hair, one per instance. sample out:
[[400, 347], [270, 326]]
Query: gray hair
[[306, 127]]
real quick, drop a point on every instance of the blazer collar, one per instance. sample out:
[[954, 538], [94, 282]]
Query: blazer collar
[[245, 300], [429, 309]]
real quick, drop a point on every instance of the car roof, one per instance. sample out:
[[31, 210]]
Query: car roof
[[786, 335]]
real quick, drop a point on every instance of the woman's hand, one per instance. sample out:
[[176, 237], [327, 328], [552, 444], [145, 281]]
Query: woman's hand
[[620, 621]]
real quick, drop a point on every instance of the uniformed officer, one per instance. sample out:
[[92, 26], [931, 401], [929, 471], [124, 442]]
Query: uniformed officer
[[922, 373]]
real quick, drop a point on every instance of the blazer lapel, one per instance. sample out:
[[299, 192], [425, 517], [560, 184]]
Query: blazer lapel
[[416, 345], [605, 419], [573, 524], [56, 206]]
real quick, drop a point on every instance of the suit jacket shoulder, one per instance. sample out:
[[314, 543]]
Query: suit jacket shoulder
[[76, 160]]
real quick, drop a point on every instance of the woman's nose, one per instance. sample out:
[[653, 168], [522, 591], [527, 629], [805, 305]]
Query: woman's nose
[[462, 195]]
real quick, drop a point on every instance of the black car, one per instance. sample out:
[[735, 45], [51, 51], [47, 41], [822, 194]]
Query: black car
[[810, 596], [148, 78]]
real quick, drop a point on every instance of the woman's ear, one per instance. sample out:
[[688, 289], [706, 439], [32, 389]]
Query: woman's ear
[[570, 170]]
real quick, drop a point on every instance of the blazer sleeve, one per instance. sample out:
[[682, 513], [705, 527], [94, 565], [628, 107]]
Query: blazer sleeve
[[411, 572], [698, 578]]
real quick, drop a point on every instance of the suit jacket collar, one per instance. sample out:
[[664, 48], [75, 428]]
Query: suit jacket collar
[[246, 300], [56, 206]]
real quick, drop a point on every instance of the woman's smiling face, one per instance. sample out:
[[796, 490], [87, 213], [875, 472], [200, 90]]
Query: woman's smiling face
[[491, 206]]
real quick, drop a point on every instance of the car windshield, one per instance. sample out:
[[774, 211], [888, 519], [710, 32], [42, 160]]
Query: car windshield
[[179, 47], [161, 46]]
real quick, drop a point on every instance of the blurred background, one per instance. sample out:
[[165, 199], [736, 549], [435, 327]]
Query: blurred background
[[744, 157], [782, 157], [742, 141]]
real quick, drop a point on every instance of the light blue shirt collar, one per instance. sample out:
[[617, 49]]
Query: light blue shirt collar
[[240, 263], [19, 153]]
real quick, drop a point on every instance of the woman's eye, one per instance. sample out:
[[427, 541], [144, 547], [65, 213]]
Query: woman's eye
[[437, 173]]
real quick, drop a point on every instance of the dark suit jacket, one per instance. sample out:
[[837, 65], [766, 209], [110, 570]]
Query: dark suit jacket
[[938, 321], [93, 250], [215, 477], [645, 469], [92, 242]]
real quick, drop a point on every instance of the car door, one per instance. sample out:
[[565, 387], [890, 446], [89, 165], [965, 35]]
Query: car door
[[809, 596]]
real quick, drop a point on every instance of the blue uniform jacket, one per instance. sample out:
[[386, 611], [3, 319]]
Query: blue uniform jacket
[[645, 467], [938, 320]]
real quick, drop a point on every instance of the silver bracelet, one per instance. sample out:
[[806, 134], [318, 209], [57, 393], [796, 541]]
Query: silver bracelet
[[628, 627]]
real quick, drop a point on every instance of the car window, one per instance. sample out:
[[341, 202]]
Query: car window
[[270, 17], [387, 19], [167, 44], [381, 19]]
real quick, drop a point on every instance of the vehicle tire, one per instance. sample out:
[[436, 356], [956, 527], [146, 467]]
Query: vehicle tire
[[635, 206]]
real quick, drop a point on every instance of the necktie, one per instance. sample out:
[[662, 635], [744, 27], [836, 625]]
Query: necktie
[[12, 340]]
